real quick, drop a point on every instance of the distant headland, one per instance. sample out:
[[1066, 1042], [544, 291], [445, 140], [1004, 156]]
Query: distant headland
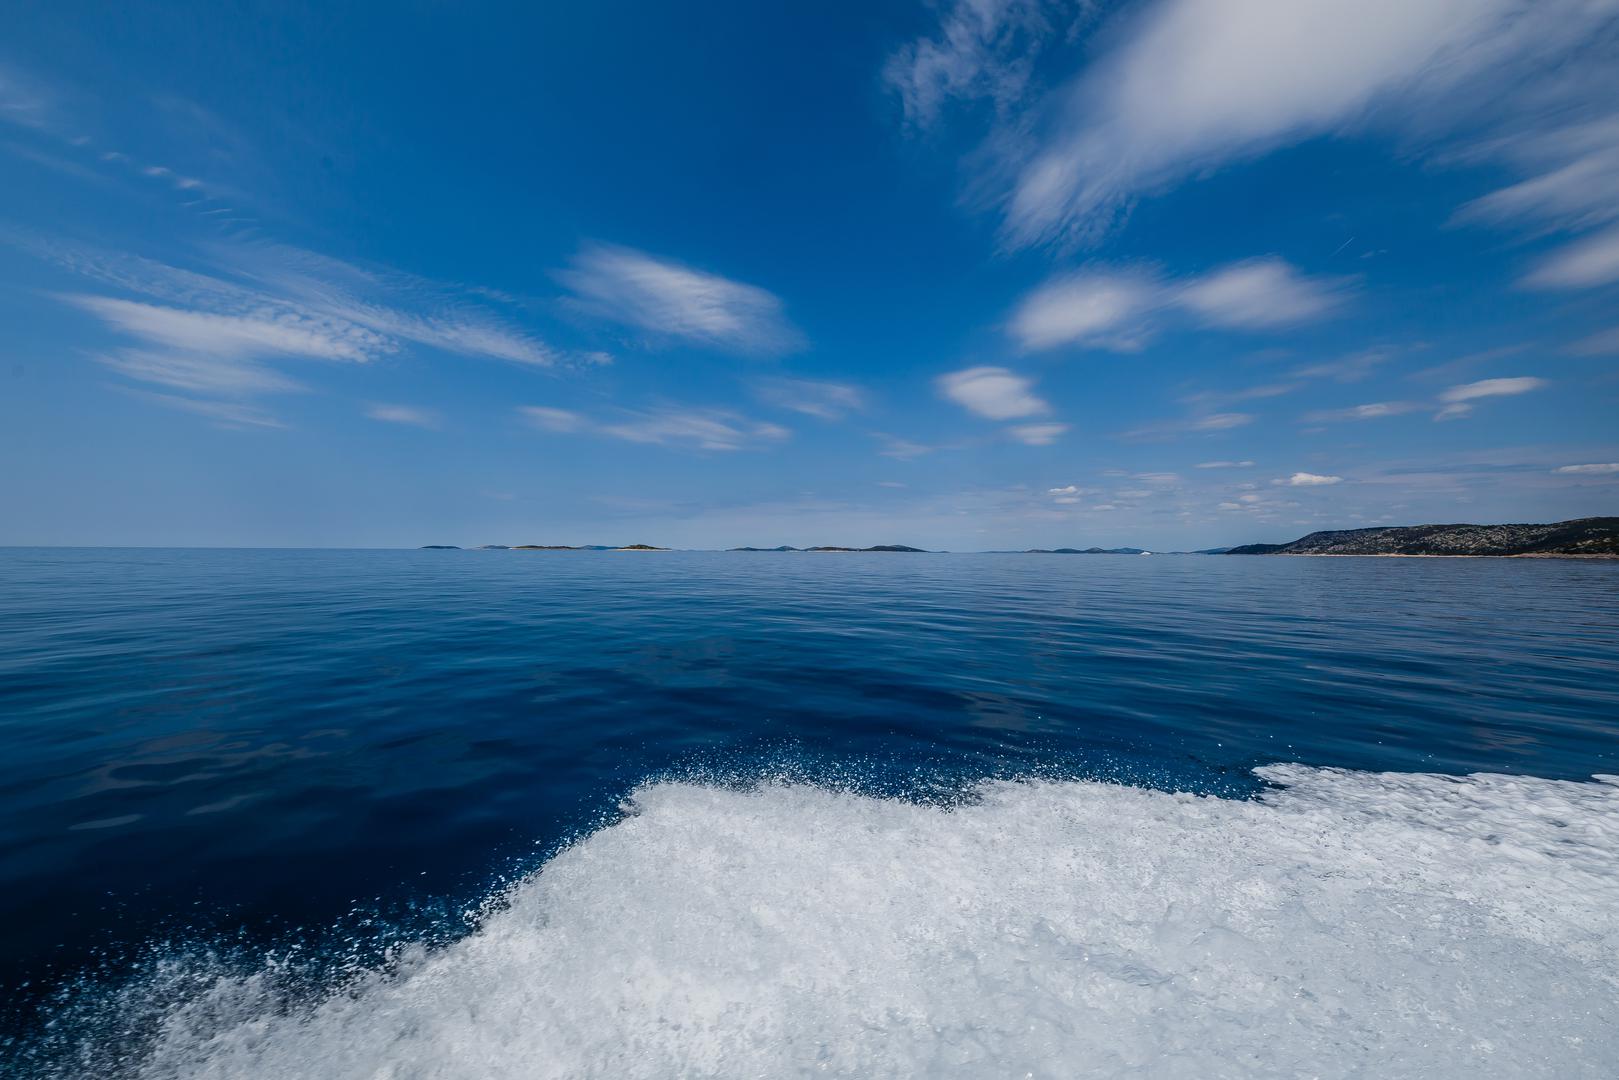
[[1596, 537]]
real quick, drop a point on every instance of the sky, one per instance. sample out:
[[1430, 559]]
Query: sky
[[973, 274]]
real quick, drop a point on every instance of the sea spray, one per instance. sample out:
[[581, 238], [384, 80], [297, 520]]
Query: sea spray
[[1341, 924]]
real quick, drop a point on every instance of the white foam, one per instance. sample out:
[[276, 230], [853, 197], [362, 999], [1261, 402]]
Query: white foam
[[1349, 924]]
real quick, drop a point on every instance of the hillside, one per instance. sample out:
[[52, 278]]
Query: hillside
[[1584, 536]]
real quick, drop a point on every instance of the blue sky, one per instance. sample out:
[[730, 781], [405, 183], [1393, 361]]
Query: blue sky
[[966, 275]]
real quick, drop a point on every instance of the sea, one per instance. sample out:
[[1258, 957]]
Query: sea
[[400, 815]]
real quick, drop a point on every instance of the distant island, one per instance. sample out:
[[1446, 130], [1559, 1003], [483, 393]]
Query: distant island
[[828, 547], [545, 547], [1596, 537]]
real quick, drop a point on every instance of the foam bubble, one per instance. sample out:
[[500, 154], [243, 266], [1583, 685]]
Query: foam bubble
[[1343, 924]]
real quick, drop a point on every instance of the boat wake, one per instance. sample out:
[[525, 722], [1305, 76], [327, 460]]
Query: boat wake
[[1341, 924]]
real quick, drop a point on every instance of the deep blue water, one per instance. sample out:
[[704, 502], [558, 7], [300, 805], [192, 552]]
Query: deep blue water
[[262, 746]]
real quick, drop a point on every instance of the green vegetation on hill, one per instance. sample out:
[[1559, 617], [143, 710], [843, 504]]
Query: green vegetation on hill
[[1597, 536]]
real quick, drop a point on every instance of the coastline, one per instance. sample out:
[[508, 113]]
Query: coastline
[[1404, 555]]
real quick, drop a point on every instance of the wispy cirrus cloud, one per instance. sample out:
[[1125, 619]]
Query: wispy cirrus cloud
[[1584, 263], [270, 331], [1602, 343], [1194, 84], [700, 429], [1196, 424], [220, 333], [1346, 369], [812, 397], [1224, 465], [411, 415], [198, 373], [1120, 309], [671, 300], [1181, 88], [1458, 399], [984, 50], [1603, 469], [1037, 434], [1375, 410], [1573, 189], [230, 415], [902, 449]]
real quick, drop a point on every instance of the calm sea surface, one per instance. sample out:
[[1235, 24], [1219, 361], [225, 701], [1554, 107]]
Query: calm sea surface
[[258, 749]]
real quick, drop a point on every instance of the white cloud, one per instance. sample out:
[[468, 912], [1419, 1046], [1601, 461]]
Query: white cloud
[[902, 449], [560, 421], [1492, 388], [403, 414], [1258, 294], [1575, 191], [1090, 308], [1582, 264], [712, 429], [823, 400], [984, 49], [216, 334], [673, 300], [1574, 187], [1589, 470], [1375, 410], [224, 414], [1206, 423], [703, 429], [993, 392], [1304, 479], [1224, 465], [1348, 369], [1602, 343], [1112, 308], [1195, 84], [1220, 421], [283, 332], [198, 373], [1038, 434]]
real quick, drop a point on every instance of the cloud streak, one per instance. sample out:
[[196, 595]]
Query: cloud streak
[[822, 400], [700, 429], [1116, 309], [219, 333], [1195, 84], [403, 414], [670, 300], [1458, 399]]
